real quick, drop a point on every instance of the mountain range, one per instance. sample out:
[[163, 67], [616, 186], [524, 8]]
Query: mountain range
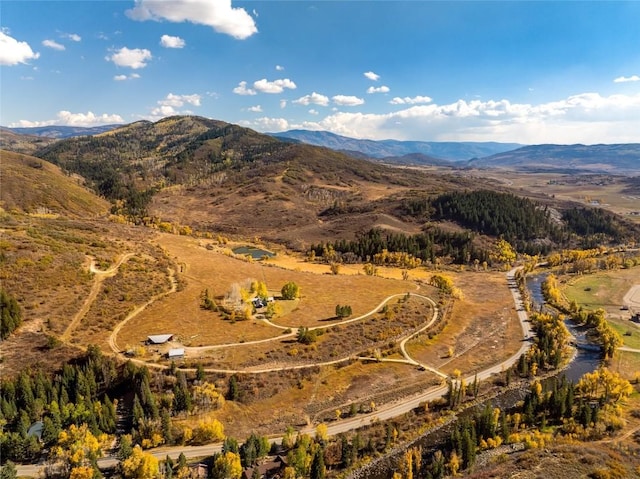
[[61, 131], [611, 158], [615, 158], [450, 150]]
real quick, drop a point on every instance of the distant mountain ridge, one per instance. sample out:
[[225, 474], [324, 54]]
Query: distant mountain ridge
[[615, 158], [61, 131], [448, 150]]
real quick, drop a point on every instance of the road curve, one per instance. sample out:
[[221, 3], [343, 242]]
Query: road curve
[[99, 277], [383, 412], [114, 334]]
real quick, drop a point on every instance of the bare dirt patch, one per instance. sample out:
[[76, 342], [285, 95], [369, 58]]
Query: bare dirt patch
[[481, 330]]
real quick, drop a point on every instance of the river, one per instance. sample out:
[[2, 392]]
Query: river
[[587, 359], [588, 356]]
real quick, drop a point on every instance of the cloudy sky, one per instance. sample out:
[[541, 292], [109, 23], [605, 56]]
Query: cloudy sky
[[527, 72]]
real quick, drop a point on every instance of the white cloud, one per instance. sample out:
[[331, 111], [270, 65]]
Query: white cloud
[[279, 68], [168, 41], [218, 14], [255, 109], [314, 112], [283, 103], [372, 76], [380, 89], [269, 124], [72, 36], [314, 98], [133, 76], [53, 44], [162, 111], [72, 119], [276, 86], [180, 100], [346, 100], [171, 104], [13, 51], [242, 89], [583, 118], [623, 79], [411, 101], [133, 58]]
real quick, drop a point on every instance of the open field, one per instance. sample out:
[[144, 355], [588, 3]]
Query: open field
[[181, 314], [629, 331], [483, 327], [606, 191], [604, 289], [627, 364]]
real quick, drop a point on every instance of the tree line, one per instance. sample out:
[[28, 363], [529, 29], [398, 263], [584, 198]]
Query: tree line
[[382, 248]]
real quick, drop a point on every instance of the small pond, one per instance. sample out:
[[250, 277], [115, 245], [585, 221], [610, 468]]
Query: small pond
[[255, 253]]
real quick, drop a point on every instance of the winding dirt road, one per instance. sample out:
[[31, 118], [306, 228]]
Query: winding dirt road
[[383, 412], [98, 278]]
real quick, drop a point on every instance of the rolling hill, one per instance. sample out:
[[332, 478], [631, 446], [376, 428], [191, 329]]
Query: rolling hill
[[454, 151], [218, 176], [32, 185], [22, 143]]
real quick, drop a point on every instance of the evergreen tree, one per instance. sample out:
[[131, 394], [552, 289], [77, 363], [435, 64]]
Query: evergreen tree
[[318, 470]]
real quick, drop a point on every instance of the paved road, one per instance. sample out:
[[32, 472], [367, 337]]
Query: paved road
[[383, 412]]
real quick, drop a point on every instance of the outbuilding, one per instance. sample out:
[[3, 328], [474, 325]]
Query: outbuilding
[[176, 353], [159, 338]]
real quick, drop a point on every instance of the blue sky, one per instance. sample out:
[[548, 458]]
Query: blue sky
[[528, 72]]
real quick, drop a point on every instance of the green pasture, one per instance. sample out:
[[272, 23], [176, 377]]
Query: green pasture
[[604, 289], [629, 331]]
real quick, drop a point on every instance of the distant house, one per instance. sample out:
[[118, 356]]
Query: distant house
[[258, 303], [271, 469], [176, 353], [159, 338]]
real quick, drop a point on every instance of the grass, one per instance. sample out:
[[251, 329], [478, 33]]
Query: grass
[[606, 290], [629, 331], [627, 364], [579, 189], [481, 328]]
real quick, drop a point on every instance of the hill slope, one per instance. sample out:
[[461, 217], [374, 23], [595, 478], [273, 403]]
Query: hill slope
[[21, 143], [32, 185], [218, 176], [455, 151], [621, 158]]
